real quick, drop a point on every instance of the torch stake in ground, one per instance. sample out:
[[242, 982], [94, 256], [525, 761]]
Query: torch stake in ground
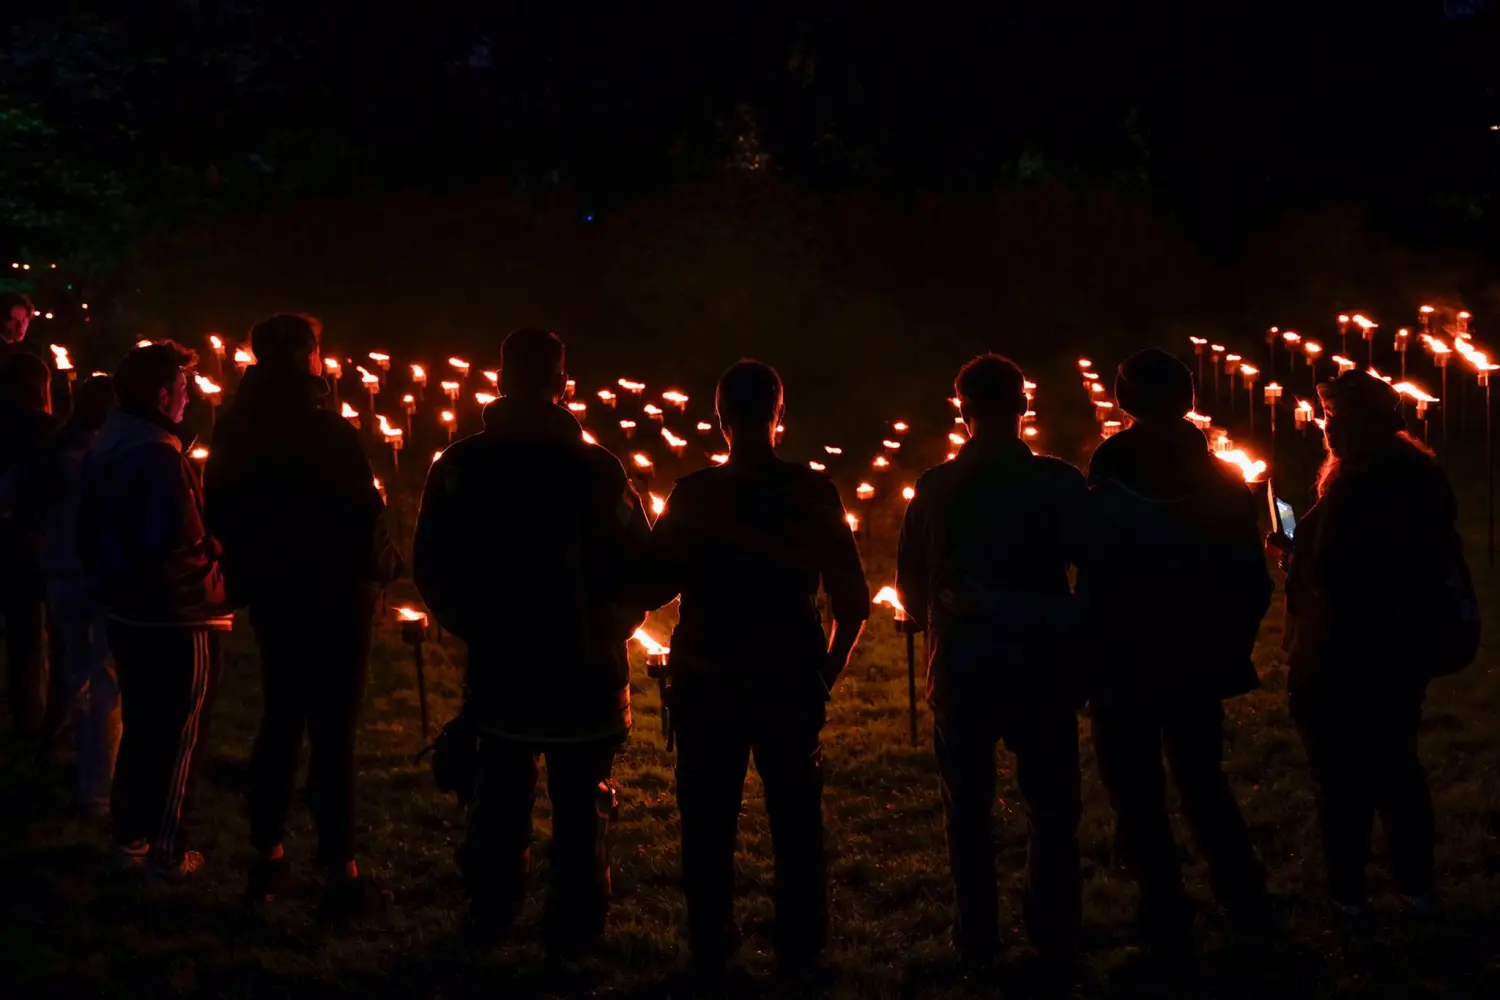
[[657, 670], [414, 634]]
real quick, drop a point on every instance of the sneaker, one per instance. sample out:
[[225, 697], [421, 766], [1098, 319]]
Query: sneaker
[[348, 900], [268, 881], [186, 866], [129, 857]]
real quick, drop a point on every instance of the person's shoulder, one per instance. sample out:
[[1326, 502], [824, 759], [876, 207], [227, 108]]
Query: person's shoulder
[[601, 460], [1060, 471], [698, 482]]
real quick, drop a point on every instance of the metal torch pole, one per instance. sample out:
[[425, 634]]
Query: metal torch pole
[[1489, 464]]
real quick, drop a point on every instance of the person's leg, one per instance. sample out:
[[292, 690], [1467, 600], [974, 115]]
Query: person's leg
[[1127, 743], [789, 759], [1193, 735], [286, 677], [26, 661], [966, 775], [1045, 742], [1402, 796], [190, 704], [1336, 748], [132, 799], [495, 857], [103, 712], [333, 716], [584, 807], [713, 756]]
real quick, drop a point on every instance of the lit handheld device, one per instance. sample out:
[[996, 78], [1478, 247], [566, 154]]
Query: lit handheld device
[[1283, 517]]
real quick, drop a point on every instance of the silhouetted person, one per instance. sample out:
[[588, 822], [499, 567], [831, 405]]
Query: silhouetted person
[[26, 422], [745, 545], [528, 548], [1179, 586], [291, 497], [89, 686], [141, 535], [1371, 560], [983, 567]]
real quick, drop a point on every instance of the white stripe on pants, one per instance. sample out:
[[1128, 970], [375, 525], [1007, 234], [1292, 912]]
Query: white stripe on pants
[[164, 849]]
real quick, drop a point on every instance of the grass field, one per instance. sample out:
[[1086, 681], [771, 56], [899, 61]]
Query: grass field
[[68, 931]]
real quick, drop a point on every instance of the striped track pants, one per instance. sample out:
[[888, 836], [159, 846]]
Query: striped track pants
[[167, 680]]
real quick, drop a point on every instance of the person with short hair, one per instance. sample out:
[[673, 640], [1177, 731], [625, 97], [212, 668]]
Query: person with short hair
[[746, 545], [90, 687], [290, 495], [1177, 585], [982, 567], [141, 535], [1359, 660], [26, 423], [16, 312], [528, 548]]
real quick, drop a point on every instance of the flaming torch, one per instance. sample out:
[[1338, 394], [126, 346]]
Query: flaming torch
[[207, 388], [1425, 314], [627, 427], [243, 359], [1248, 373], [634, 388], [450, 389], [905, 627], [704, 427], [1420, 397], [1367, 331], [658, 658], [675, 443], [1214, 363], [608, 398], [393, 437], [1273, 399], [461, 366], [654, 412], [63, 363], [382, 361], [216, 344], [1343, 333], [450, 421], [1403, 340], [199, 455], [1441, 355], [349, 413], [677, 398], [414, 633], [1199, 343], [409, 404], [371, 383], [418, 378], [1483, 367], [1231, 365], [335, 372]]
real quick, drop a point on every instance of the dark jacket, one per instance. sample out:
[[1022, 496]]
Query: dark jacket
[[1376, 541], [999, 526], [23, 434], [1177, 579], [529, 548], [50, 497], [745, 545], [291, 497], [141, 533]]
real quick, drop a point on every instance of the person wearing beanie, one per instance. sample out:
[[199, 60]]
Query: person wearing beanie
[[1376, 586], [291, 495], [1178, 586]]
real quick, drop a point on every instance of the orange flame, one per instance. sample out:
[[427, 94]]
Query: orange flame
[[451, 388], [957, 438], [891, 445], [675, 396], [673, 441], [833, 450], [419, 374], [651, 410], [485, 398], [378, 358], [817, 466], [899, 427], [206, 385], [333, 366], [1412, 391], [408, 400], [62, 362], [642, 460], [658, 504], [880, 462], [579, 408], [446, 416], [704, 427], [1095, 387], [216, 343], [589, 438], [908, 493], [650, 645], [436, 455], [1313, 348], [1198, 341], [626, 425], [1085, 363], [891, 599], [200, 454], [629, 386], [366, 377], [241, 356], [864, 491], [606, 397], [1253, 469], [492, 377], [718, 459], [460, 364], [411, 615], [852, 520], [348, 412]]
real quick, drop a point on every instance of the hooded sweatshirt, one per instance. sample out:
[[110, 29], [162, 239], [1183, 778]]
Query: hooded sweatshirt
[[141, 532]]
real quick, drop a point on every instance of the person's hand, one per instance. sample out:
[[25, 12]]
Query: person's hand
[[1280, 546]]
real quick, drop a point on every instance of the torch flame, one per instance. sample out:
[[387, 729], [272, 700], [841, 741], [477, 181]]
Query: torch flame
[[1253, 469], [1292, 337], [957, 439], [1198, 341], [379, 358], [241, 356], [411, 615], [199, 453], [718, 459], [449, 387], [1413, 391], [1248, 370], [485, 398], [641, 460], [206, 385], [833, 450], [880, 462], [675, 396], [864, 491], [626, 425], [817, 466], [214, 342], [1363, 322], [605, 396], [460, 364], [366, 377], [492, 377], [1304, 406], [333, 366], [446, 416], [650, 645], [386, 428], [418, 374], [629, 386], [589, 438], [1426, 310], [579, 408], [651, 410], [1085, 363], [673, 441], [436, 455], [61, 361], [1313, 347], [1435, 345], [852, 520], [891, 445], [658, 504], [704, 427], [908, 493], [348, 412], [408, 400], [1095, 387], [1031, 432], [889, 597], [899, 427]]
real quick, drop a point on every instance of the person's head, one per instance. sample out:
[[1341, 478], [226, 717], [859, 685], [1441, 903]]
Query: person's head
[[532, 366], [25, 381], [15, 313], [287, 343], [1362, 416], [991, 393], [750, 402], [1152, 385], [92, 401], [152, 381]]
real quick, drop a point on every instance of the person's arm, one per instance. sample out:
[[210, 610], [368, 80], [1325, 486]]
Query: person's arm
[[172, 539], [912, 576], [844, 580], [437, 530], [354, 481], [626, 534]]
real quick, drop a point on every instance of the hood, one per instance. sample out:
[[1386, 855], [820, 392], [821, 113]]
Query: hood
[[122, 432], [519, 420]]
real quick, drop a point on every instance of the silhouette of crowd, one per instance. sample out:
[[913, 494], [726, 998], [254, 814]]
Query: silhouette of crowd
[[1135, 590]]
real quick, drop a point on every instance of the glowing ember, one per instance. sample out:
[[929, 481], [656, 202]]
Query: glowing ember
[[864, 491], [908, 493], [650, 645]]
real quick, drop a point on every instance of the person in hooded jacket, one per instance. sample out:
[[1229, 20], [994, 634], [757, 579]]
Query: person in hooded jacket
[[291, 496], [1178, 584], [1371, 562], [142, 537], [528, 549], [51, 497], [26, 423]]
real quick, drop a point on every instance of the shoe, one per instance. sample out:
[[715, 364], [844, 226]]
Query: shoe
[[268, 881], [129, 857], [186, 866], [347, 900]]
